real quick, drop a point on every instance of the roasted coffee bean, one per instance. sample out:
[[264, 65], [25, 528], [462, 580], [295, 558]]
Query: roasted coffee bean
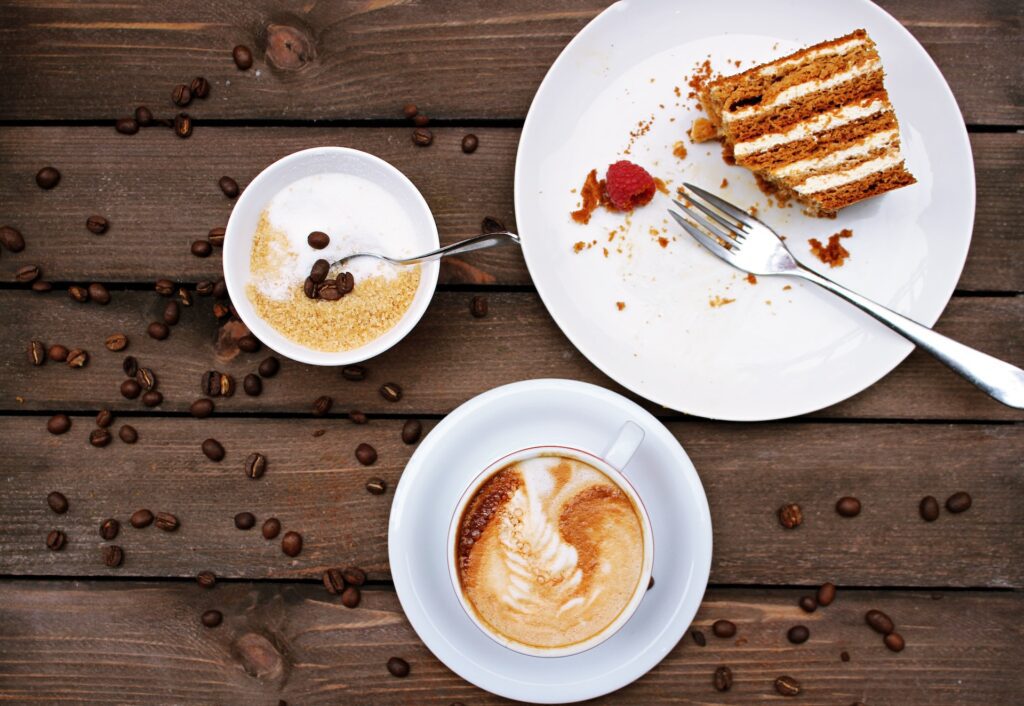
[[879, 621], [354, 373], [723, 628], [722, 679], [929, 508], [252, 385], [164, 287], [366, 454], [894, 641], [409, 110], [322, 405], [478, 307], [216, 236], [58, 423], [47, 177], [131, 389], [57, 353], [245, 521], [242, 56], [172, 313], [350, 597], [201, 248], [184, 296], [36, 352], [309, 288], [109, 528], [357, 417], [152, 398], [844, 656], [470, 143], [490, 224], [318, 273], [182, 125], [200, 87], [826, 594], [328, 291], [104, 418], [421, 120], [798, 634], [77, 358], [127, 434], [787, 686], [848, 506], [790, 516], [181, 95], [255, 465], [271, 528], [249, 343], [269, 367], [210, 383], [127, 126], [99, 437], [221, 310], [354, 576], [411, 431], [318, 240], [143, 116], [57, 502], [206, 579], [130, 366], [391, 392], [422, 137], [213, 450], [12, 239], [220, 289], [41, 287], [291, 543], [212, 618], [333, 581], [27, 273], [98, 293], [958, 502], [346, 282], [146, 378], [229, 186], [398, 667], [376, 486], [55, 540], [204, 288], [166, 521], [97, 224], [116, 342], [141, 518], [79, 294], [227, 385]]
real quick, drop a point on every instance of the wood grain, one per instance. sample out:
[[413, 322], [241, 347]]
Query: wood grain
[[160, 193], [356, 59], [140, 643], [449, 358], [315, 486]]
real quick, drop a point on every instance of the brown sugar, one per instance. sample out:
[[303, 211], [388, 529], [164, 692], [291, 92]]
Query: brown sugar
[[833, 254], [590, 199]]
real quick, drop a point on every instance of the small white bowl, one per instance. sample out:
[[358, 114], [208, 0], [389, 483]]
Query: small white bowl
[[325, 160]]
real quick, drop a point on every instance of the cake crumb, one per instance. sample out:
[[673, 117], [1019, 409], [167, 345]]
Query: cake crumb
[[751, 278], [663, 241], [703, 130], [725, 183], [578, 246], [590, 199], [787, 288], [700, 76], [718, 301], [679, 150], [620, 305], [833, 254], [660, 185]]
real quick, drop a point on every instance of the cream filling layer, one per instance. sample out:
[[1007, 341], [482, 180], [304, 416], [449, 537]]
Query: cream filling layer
[[835, 50], [835, 159], [821, 123], [830, 181]]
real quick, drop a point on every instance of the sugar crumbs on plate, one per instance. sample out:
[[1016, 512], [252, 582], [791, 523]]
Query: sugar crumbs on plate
[[833, 254]]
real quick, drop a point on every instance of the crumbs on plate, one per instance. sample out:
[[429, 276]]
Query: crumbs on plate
[[833, 254]]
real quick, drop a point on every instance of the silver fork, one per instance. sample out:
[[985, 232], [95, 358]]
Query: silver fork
[[749, 245]]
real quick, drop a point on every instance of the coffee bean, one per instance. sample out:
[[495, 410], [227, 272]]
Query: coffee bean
[[376, 486], [127, 126], [255, 465], [216, 236], [421, 120], [212, 618], [27, 273], [790, 516], [929, 508], [130, 389], [206, 579], [143, 116], [220, 289], [242, 56], [116, 342], [41, 287], [201, 248], [848, 506], [58, 424], [99, 437], [104, 418], [204, 288], [309, 288], [354, 576], [146, 378], [164, 287], [826, 593], [36, 352], [844, 656], [345, 282], [422, 137], [221, 310], [113, 556], [322, 405], [723, 628], [470, 143], [268, 367], [130, 366], [958, 502], [166, 521], [141, 518], [318, 240], [55, 540], [409, 110], [79, 294], [227, 385], [366, 454], [328, 291], [798, 634], [229, 186], [318, 273], [245, 521], [787, 686], [152, 398], [98, 293], [271, 528], [77, 358], [391, 392], [722, 679], [182, 125], [350, 597], [490, 224], [879, 621], [353, 372], [57, 502], [109, 528], [357, 417], [12, 239], [252, 385], [334, 582], [181, 95], [291, 543], [201, 408], [698, 638], [894, 641], [213, 450], [97, 224], [249, 343], [478, 307], [57, 353], [200, 87], [398, 667], [128, 434], [411, 431], [47, 177]]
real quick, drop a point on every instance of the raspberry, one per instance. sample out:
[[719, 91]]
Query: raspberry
[[629, 185]]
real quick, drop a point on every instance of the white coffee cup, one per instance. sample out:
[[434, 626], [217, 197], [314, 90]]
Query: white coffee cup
[[611, 463]]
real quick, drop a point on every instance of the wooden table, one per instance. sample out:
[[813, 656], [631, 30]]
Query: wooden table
[[337, 73]]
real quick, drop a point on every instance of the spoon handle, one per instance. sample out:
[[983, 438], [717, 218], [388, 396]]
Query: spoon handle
[[477, 242]]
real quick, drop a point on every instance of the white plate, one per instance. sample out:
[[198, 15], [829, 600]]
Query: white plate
[[540, 412], [748, 360]]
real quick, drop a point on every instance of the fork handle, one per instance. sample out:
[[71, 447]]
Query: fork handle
[[997, 378], [477, 242]]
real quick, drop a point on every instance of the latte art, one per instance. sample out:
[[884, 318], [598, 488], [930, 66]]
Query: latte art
[[550, 551]]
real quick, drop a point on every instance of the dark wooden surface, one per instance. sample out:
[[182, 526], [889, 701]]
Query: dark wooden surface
[[73, 630]]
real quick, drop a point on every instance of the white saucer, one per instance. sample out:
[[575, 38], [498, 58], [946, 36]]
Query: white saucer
[[516, 416]]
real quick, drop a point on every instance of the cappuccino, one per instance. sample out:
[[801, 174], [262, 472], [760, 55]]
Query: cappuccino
[[549, 552]]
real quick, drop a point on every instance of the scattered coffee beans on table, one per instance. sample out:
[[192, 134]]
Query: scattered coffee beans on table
[[398, 667], [723, 628], [212, 618], [722, 679], [291, 544], [790, 516], [57, 502]]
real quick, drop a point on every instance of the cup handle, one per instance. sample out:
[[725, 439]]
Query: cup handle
[[627, 441]]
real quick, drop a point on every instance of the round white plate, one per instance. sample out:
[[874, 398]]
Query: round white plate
[[540, 412], [775, 351]]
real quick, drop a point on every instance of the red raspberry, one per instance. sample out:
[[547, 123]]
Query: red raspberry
[[629, 185]]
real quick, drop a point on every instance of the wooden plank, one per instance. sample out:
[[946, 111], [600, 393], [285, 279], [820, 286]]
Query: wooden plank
[[447, 359], [354, 59], [160, 194], [135, 643], [315, 486]]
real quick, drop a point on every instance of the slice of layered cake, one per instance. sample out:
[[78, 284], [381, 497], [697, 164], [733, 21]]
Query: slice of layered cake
[[816, 125]]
